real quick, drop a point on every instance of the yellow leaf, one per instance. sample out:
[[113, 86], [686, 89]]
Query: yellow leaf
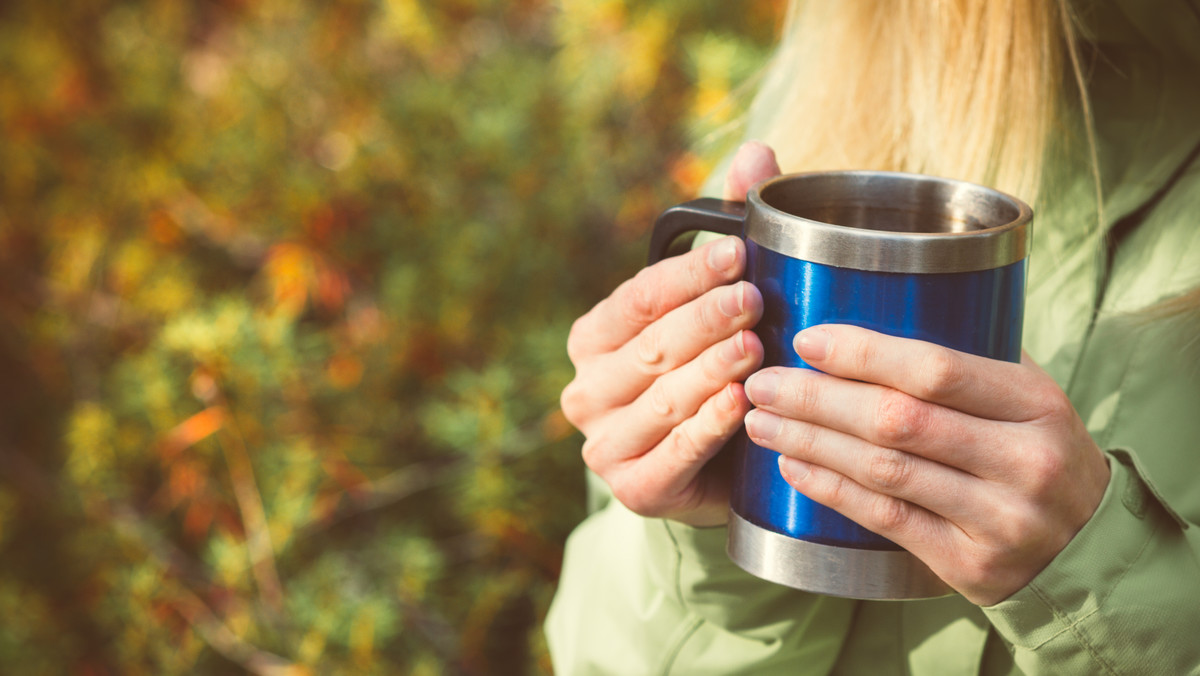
[[312, 646], [79, 246], [404, 22], [644, 53], [90, 440], [362, 637]]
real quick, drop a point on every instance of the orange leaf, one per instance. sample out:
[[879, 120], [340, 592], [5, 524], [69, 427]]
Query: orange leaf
[[344, 371], [688, 172], [289, 270], [192, 430]]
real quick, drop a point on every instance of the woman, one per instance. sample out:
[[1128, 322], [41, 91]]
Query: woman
[[1057, 496]]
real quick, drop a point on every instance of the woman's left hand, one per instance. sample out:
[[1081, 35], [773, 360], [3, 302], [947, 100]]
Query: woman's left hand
[[980, 468]]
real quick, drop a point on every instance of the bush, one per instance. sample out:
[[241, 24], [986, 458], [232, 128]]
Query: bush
[[283, 304]]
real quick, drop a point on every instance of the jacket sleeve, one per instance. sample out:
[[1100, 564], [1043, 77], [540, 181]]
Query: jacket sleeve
[[649, 596], [1122, 598]]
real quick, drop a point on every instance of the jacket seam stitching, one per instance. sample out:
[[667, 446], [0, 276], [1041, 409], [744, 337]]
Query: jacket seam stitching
[[692, 622], [1130, 476], [676, 648], [1073, 625], [1111, 428], [677, 574]]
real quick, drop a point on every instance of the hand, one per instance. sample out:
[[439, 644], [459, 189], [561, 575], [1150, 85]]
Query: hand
[[980, 468], [659, 365]]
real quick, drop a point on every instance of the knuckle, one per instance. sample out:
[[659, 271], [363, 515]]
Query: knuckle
[[661, 401], [892, 515], [712, 421], [1053, 403], [806, 437], [638, 299], [684, 446], [1048, 470], [697, 269], [837, 490], [651, 359], [572, 402], [712, 368], [722, 415], [806, 393], [899, 418], [1043, 400], [942, 373], [704, 317], [978, 568], [861, 353], [1018, 524], [889, 470], [575, 340], [592, 455], [715, 369]]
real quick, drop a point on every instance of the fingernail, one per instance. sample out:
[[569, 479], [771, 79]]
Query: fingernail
[[762, 425], [762, 387], [735, 348], [731, 301], [792, 469], [723, 254], [813, 344]]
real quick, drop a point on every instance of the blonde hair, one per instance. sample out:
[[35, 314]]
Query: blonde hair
[[966, 89], [957, 88]]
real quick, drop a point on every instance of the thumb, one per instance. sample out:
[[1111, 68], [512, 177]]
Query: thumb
[[753, 162]]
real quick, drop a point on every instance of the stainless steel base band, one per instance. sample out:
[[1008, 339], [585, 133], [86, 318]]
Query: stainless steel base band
[[835, 571]]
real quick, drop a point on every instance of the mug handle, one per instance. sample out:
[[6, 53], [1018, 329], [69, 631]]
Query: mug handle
[[707, 214]]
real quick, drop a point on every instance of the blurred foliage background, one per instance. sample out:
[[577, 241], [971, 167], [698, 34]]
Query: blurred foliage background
[[284, 291]]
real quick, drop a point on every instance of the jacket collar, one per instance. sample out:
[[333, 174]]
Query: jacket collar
[[1143, 60]]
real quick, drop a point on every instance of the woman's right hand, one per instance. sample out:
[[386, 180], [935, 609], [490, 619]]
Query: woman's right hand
[[659, 364]]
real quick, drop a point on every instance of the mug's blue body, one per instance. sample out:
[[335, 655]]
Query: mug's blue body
[[908, 255], [978, 312]]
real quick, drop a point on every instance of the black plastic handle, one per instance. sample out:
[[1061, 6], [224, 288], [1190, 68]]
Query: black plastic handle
[[705, 214]]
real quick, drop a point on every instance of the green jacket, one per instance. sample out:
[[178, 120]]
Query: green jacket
[[648, 596]]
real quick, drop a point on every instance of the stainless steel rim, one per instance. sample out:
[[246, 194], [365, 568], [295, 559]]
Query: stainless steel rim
[[980, 228], [834, 571]]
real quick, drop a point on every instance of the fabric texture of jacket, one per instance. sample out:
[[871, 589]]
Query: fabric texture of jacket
[[649, 596]]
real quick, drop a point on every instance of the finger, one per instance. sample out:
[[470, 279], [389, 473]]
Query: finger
[[931, 485], [986, 388], [677, 397], [880, 415], [669, 343], [666, 480], [925, 534], [753, 162], [654, 292]]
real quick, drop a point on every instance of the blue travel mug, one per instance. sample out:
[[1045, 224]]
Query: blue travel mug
[[909, 255]]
